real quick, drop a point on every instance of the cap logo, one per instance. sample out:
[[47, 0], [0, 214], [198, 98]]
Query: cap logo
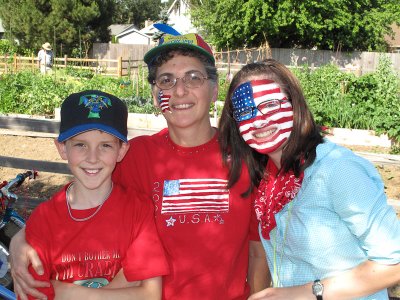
[[189, 38], [95, 103]]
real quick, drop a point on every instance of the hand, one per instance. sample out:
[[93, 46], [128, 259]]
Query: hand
[[21, 255]]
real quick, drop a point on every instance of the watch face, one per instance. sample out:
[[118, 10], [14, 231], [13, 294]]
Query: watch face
[[317, 288]]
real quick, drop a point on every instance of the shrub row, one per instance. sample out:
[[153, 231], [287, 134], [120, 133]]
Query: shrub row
[[337, 99]]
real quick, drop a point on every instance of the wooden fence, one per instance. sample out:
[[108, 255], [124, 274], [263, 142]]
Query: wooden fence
[[109, 67], [229, 61]]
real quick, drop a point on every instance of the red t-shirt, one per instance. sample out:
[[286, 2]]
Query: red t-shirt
[[121, 235], [204, 227]]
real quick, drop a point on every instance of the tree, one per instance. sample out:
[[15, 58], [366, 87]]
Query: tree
[[136, 11], [327, 25], [70, 23]]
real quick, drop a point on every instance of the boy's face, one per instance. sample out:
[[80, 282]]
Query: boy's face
[[186, 106], [92, 156]]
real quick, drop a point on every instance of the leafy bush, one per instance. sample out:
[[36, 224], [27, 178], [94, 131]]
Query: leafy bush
[[336, 98], [34, 94], [343, 100]]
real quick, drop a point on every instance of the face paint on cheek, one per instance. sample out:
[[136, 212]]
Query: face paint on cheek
[[268, 139], [262, 126], [163, 101]]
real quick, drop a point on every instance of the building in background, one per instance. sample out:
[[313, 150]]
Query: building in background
[[178, 17], [1, 30], [394, 43]]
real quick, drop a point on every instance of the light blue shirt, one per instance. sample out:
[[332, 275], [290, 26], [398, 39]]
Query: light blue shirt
[[339, 219]]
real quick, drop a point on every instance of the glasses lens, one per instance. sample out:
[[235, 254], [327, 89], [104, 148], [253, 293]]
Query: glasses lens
[[194, 79], [165, 81], [269, 106], [243, 115]]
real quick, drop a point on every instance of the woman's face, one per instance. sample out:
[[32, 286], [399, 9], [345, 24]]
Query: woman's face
[[263, 113]]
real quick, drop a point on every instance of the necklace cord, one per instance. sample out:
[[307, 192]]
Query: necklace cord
[[67, 197]]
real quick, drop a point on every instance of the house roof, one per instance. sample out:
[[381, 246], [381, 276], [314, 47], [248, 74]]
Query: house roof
[[118, 28], [176, 2], [130, 30]]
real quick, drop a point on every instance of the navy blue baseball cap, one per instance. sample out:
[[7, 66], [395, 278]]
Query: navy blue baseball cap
[[93, 110]]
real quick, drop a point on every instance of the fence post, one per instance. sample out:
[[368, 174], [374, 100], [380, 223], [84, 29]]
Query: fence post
[[33, 62], [120, 66], [65, 61], [15, 63]]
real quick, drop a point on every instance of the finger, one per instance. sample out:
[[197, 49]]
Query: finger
[[18, 291], [22, 289], [35, 261]]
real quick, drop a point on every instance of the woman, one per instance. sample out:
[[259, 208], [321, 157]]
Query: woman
[[212, 247], [324, 221]]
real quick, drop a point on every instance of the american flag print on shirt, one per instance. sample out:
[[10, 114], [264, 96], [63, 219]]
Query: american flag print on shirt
[[195, 196], [163, 101]]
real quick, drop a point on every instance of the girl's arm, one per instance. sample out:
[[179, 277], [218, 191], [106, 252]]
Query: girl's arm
[[365, 279]]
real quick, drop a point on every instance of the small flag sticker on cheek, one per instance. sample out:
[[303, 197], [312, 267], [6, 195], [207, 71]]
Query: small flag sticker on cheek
[[163, 101]]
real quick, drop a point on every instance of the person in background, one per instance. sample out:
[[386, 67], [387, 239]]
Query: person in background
[[324, 221], [45, 58], [209, 232], [94, 234]]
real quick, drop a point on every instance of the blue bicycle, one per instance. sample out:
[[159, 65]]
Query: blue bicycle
[[11, 222]]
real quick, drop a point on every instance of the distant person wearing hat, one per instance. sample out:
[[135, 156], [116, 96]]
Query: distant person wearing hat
[[94, 231], [209, 231], [45, 58]]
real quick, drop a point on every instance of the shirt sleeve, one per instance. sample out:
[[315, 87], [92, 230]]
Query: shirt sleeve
[[36, 236], [145, 257], [361, 202]]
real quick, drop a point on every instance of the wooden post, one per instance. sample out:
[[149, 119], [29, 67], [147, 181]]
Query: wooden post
[[229, 63], [120, 66], [15, 62], [33, 62], [65, 61]]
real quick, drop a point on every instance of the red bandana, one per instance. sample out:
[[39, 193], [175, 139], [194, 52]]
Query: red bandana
[[274, 192]]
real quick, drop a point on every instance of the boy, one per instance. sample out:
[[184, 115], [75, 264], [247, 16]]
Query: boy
[[92, 231]]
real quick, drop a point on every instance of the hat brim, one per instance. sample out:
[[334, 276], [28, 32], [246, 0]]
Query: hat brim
[[152, 54], [87, 127]]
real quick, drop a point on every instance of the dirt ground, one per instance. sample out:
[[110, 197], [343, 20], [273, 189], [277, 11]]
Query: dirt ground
[[46, 184]]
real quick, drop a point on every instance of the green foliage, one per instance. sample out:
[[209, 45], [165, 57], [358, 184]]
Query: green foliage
[[7, 47], [326, 25], [67, 22], [336, 98], [34, 94], [339, 99], [136, 11]]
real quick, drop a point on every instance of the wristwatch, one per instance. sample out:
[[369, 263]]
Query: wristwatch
[[318, 289]]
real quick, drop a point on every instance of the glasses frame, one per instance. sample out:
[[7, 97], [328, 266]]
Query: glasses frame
[[184, 79], [250, 110]]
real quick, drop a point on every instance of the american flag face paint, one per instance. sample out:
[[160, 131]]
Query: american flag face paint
[[163, 101], [263, 113]]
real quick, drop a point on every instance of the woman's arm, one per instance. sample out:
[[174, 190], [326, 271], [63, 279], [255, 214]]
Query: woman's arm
[[258, 275], [21, 256], [365, 279]]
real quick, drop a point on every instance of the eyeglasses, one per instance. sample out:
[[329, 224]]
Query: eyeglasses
[[265, 108], [191, 80]]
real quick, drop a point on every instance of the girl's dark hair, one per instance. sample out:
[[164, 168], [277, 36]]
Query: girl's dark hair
[[168, 54], [301, 144]]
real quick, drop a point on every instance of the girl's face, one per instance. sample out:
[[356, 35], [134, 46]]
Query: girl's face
[[263, 114]]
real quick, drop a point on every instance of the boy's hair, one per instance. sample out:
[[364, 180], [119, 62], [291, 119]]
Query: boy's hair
[[93, 110]]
